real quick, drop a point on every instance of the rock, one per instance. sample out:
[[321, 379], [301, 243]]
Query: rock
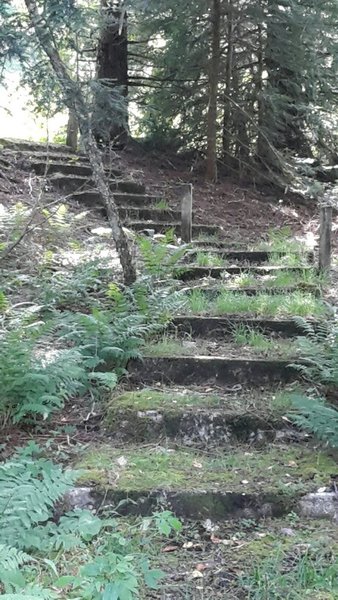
[[148, 232], [287, 531], [319, 505], [79, 497]]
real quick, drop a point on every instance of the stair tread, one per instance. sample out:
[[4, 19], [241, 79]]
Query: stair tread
[[283, 468]]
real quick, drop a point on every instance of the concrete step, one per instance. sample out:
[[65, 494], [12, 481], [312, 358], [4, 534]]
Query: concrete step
[[200, 370], [248, 256], [82, 187], [186, 273], [28, 146], [128, 200], [128, 213], [44, 168], [197, 418], [197, 228], [240, 483], [219, 327]]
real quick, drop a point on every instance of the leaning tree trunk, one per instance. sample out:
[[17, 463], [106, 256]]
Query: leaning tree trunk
[[112, 75], [75, 102], [211, 170]]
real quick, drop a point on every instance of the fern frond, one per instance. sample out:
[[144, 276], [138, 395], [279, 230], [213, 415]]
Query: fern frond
[[11, 559], [315, 416]]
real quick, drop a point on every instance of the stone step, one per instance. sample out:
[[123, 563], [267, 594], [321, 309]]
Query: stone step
[[240, 483], [26, 145], [187, 273], [199, 418], [212, 291], [44, 168], [44, 156], [78, 184], [249, 256], [128, 200], [219, 327], [200, 370], [128, 213], [197, 228]]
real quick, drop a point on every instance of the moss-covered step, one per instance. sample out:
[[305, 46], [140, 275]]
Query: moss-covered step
[[218, 327], [202, 369], [75, 183], [239, 483], [66, 168], [199, 418], [134, 200], [195, 272]]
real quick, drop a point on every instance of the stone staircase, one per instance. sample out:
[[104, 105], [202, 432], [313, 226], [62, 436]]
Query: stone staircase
[[201, 426], [71, 174]]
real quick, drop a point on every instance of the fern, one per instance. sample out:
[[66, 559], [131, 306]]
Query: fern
[[158, 259], [29, 490], [316, 417], [318, 351], [31, 386], [11, 558]]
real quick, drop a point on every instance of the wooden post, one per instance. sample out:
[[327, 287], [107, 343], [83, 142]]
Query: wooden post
[[186, 214], [325, 238]]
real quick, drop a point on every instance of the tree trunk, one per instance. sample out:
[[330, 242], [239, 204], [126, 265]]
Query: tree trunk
[[75, 102], [228, 82], [72, 131], [211, 170], [112, 74]]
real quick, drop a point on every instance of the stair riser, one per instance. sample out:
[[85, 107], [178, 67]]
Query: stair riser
[[163, 227], [45, 168], [202, 370], [191, 505], [70, 184], [212, 293], [217, 328], [147, 214], [199, 428], [191, 273], [246, 256]]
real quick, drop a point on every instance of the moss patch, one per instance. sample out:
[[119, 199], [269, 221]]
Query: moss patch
[[281, 468], [262, 403]]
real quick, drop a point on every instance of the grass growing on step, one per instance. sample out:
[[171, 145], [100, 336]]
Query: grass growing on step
[[264, 305], [282, 240], [309, 573], [162, 204], [283, 469], [251, 340], [207, 259], [263, 403], [246, 336]]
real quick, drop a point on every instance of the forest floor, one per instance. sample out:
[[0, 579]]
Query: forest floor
[[239, 478]]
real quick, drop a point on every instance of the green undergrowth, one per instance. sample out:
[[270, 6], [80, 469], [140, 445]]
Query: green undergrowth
[[274, 559], [264, 305], [79, 555], [283, 469], [282, 240]]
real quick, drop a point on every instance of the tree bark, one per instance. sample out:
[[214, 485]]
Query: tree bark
[[72, 131], [211, 170], [228, 82], [112, 74], [75, 102]]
